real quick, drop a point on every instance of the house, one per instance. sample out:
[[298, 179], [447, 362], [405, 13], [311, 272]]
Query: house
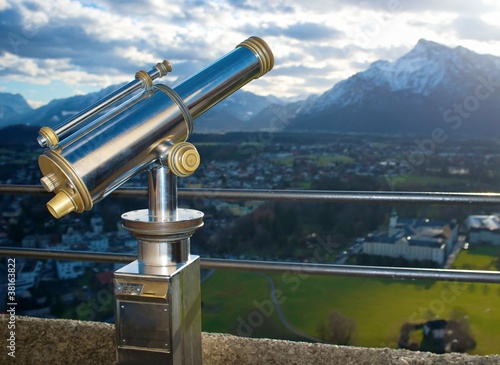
[[483, 229], [28, 274], [434, 336], [96, 242], [36, 240], [69, 269], [72, 237]]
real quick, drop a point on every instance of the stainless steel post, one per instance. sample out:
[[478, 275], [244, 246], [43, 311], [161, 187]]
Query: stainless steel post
[[162, 188], [158, 305]]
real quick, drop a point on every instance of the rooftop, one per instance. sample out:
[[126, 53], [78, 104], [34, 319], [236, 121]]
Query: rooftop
[[489, 222]]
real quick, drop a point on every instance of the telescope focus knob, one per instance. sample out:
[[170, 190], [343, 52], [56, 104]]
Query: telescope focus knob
[[49, 182], [183, 159]]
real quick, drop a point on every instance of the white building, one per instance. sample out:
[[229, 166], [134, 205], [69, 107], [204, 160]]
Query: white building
[[96, 223], [71, 237], [96, 242], [28, 274], [414, 239], [69, 269], [483, 229], [124, 238], [35, 240]]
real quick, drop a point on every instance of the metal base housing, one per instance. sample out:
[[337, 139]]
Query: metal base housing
[[158, 313]]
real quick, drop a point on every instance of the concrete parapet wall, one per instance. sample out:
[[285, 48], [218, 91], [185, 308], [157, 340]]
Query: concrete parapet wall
[[55, 342]]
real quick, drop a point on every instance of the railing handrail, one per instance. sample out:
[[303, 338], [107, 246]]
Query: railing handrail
[[388, 197], [479, 276]]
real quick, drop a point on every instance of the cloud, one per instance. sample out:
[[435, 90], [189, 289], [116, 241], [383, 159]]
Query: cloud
[[315, 42], [43, 71], [301, 71], [473, 8], [303, 31], [396, 6], [476, 29], [242, 4], [94, 43], [311, 31], [322, 52]]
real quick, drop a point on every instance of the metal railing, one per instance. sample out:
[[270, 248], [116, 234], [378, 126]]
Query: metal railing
[[282, 267], [276, 267], [387, 197]]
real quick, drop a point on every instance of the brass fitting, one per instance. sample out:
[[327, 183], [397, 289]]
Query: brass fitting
[[61, 204], [164, 67], [60, 178], [183, 159], [49, 137], [262, 51], [142, 75]]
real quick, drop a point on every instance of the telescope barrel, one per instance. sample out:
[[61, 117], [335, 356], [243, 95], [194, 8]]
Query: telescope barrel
[[100, 157]]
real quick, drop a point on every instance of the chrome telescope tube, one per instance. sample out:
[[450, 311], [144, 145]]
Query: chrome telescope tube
[[95, 160]]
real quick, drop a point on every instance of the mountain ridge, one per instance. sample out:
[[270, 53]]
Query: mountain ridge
[[419, 91]]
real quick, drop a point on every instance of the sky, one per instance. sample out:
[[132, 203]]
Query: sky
[[59, 48]]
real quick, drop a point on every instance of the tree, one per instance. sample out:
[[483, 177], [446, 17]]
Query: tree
[[15, 232], [337, 329], [458, 333], [404, 340]]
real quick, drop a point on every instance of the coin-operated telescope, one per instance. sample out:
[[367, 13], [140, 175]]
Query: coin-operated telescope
[[144, 127]]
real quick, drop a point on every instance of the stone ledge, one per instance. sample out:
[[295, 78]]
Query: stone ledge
[[54, 341]]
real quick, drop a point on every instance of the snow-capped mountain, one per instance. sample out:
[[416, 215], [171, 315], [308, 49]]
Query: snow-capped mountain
[[431, 86]]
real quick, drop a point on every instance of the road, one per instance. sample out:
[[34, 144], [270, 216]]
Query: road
[[282, 316]]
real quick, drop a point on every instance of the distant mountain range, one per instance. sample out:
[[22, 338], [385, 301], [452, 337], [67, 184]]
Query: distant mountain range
[[432, 86], [239, 112]]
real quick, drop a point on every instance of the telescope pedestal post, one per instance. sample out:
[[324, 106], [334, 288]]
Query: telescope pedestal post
[[157, 297]]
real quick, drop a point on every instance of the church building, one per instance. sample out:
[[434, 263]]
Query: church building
[[414, 239]]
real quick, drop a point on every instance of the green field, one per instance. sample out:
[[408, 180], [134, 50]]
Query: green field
[[478, 258], [320, 160], [413, 180], [379, 306], [228, 296]]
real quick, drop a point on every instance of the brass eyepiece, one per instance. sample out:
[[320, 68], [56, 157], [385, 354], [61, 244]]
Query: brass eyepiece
[[61, 204], [60, 178]]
